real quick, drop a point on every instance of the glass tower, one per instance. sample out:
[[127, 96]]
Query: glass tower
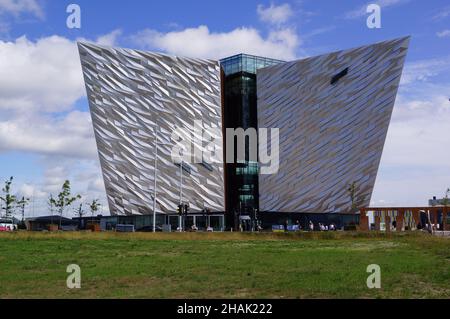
[[240, 111]]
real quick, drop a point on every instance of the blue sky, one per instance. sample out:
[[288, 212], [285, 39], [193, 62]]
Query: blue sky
[[45, 130]]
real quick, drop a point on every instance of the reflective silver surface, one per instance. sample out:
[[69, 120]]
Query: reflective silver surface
[[331, 135], [131, 93]]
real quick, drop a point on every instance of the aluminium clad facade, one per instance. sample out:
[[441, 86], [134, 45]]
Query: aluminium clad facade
[[333, 112], [134, 94]]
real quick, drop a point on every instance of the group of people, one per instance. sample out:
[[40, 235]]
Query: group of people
[[429, 227], [322, 227], [194, 228]]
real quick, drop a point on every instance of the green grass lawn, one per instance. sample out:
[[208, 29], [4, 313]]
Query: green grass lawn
[[223, 265]]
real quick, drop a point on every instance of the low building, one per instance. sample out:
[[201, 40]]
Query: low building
[[405, 218], [50, 223], [145, 222]]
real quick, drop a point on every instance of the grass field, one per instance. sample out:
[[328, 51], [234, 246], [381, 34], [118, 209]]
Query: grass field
[[223, 265]]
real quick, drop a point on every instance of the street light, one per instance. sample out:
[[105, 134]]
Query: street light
[[181, 187], [154, 178]]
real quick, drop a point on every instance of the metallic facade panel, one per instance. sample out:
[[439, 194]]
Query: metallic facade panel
[[131, 93], [331, 135]]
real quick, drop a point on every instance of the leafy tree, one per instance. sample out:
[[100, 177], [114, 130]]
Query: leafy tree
[[446, 199], [94, 206], [63, 200], [22, 203], [8, 200], [51, 206], [80, 211]]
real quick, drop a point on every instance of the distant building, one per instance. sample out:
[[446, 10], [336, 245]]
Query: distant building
[[50, 223]]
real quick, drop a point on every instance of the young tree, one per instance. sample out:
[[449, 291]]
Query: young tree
[[94, 207], [446, 200], [79, 212], [8, 200], [51, 206], [64, 199], [22, 203]]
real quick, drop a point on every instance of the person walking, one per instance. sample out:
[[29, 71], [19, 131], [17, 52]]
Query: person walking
[[299, 227]]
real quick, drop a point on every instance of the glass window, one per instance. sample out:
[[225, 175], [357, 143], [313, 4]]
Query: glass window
[[216, 222], [200, 222], [173, 221]]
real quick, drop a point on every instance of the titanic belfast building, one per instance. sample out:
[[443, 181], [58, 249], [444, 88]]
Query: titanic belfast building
[[332, 113]]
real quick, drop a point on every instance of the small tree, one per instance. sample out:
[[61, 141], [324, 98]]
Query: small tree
[[8, 200], [22, 203], [51, 206], [79, 212], [446, 199], [94, 207], [64, 199]]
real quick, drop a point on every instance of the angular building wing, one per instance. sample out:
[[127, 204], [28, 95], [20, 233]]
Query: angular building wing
[[333, 112], [135, 96]]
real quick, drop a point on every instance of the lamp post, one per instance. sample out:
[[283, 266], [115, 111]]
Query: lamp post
[[181, 188], [181, 182], [154, 180], [155, 177]]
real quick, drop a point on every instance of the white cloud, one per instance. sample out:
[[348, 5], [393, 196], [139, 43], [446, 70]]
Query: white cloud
[[411, 188], [443, 13], [40, 84], [96, 185], [418, 134], [109, 39], [18, 7], [70, 135], [44, 75], [423, 70], [275, 14], [200, 42], [30, 190], [85, 181], [415, 164], [362, 11], [443, 34]]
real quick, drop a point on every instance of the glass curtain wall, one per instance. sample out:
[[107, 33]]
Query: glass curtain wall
[[240, 111]]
